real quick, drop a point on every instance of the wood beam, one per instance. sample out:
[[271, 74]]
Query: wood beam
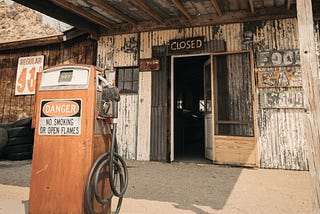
[[251, 3], [288, 4], [216, 7], [54, 11], [82, 12], [208, 19], [182, 9], [122, 16], [53, 39], [311, 91], [148, 10]]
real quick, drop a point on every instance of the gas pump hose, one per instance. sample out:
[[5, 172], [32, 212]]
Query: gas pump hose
[[118, 172]]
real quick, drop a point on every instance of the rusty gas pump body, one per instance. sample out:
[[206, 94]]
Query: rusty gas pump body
[[68, 139]]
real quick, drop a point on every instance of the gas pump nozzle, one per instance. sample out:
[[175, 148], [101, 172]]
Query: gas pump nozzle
[[109, 98]]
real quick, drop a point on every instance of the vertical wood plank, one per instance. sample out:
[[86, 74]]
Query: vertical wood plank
[[311, 85], [127, 126], [144, 113]]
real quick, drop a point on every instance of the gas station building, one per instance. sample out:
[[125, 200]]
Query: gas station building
[[216, 80]]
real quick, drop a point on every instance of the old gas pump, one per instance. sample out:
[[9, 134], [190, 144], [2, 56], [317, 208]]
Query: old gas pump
[[75, 125]]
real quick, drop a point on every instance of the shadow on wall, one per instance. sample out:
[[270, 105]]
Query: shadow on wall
[[189, 185]]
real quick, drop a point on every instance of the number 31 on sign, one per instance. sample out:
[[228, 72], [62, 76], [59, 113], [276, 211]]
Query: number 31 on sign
[[26, 74]]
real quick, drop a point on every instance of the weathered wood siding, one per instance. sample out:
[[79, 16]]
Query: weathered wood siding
[[281, 141], [159, 107], [281, 133], [127, 126], [111, 55], [317, 39], [80, 50]]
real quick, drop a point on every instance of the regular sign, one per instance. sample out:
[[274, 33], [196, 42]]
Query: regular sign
[[27, 73]]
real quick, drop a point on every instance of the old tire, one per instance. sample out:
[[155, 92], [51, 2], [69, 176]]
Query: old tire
[[19, 132], [6, 125], [20, 140], [3, 139], [19, 156], [23, 122], [18, 149]]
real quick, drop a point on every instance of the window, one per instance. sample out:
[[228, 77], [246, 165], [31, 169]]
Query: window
[[128, 80]]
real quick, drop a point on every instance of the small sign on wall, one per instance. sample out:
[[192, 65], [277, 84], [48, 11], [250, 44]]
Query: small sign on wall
[[292, 98], [278, 58], [149, 64], [27, 73], [285, 78]]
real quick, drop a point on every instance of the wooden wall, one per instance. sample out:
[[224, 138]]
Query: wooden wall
[[281, 141], [281, 132], [80, 50], [111, 55], [317, 39]]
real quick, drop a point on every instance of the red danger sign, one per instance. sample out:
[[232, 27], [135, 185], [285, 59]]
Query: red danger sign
[[60, 117], [64, 108]]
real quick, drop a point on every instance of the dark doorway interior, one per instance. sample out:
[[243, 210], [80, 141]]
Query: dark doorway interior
[[188, 118]]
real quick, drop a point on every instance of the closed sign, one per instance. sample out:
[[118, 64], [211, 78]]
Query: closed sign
[[186, 44]]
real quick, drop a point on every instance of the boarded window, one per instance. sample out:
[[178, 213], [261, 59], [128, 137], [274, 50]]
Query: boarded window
[[128, 80]]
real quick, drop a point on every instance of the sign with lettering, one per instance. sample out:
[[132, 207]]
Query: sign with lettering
[[289, 78], [60, 117], [149, 64], [186, 44], [277, 58], [27, 73], [292, 98]]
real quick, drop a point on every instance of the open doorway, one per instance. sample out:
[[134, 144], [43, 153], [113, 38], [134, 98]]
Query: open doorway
[[189, 125]]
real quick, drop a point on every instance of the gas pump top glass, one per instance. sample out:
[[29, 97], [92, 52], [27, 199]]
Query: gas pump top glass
[[65, 78]]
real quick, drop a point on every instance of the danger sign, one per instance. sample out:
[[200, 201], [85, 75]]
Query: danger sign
[[60, 117]]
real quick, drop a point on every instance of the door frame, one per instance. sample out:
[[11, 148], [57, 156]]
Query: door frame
[[254, 101], [254, 97], [172, 104]]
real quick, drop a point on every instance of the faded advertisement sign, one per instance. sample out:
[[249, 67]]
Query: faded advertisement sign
[[278, 58], [292, 98], [285, 78]]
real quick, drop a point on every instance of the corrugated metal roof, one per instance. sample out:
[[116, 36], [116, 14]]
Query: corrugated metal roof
[[119, 16]]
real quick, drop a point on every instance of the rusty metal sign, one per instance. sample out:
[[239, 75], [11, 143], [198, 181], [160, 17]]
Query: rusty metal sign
[[278, 58], [149, 64], [275, 98], [285, 78]]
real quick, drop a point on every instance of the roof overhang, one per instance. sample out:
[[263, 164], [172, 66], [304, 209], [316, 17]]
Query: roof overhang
[[109, 17]]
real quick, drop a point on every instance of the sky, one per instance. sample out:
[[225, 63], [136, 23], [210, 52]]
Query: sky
[[58, 25]]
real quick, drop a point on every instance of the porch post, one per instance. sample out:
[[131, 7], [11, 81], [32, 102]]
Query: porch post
[[311, 86]]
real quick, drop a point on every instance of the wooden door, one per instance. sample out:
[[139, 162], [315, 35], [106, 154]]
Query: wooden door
[[233, 127], [207, 70]]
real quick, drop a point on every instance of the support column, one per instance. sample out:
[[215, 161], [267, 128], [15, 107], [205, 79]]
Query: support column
[[144, 112], [311, 86]]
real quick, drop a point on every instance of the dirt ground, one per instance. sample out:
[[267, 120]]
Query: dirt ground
[[185, 187]]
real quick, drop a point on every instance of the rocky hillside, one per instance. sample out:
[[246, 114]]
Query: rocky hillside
[[18, 22]]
